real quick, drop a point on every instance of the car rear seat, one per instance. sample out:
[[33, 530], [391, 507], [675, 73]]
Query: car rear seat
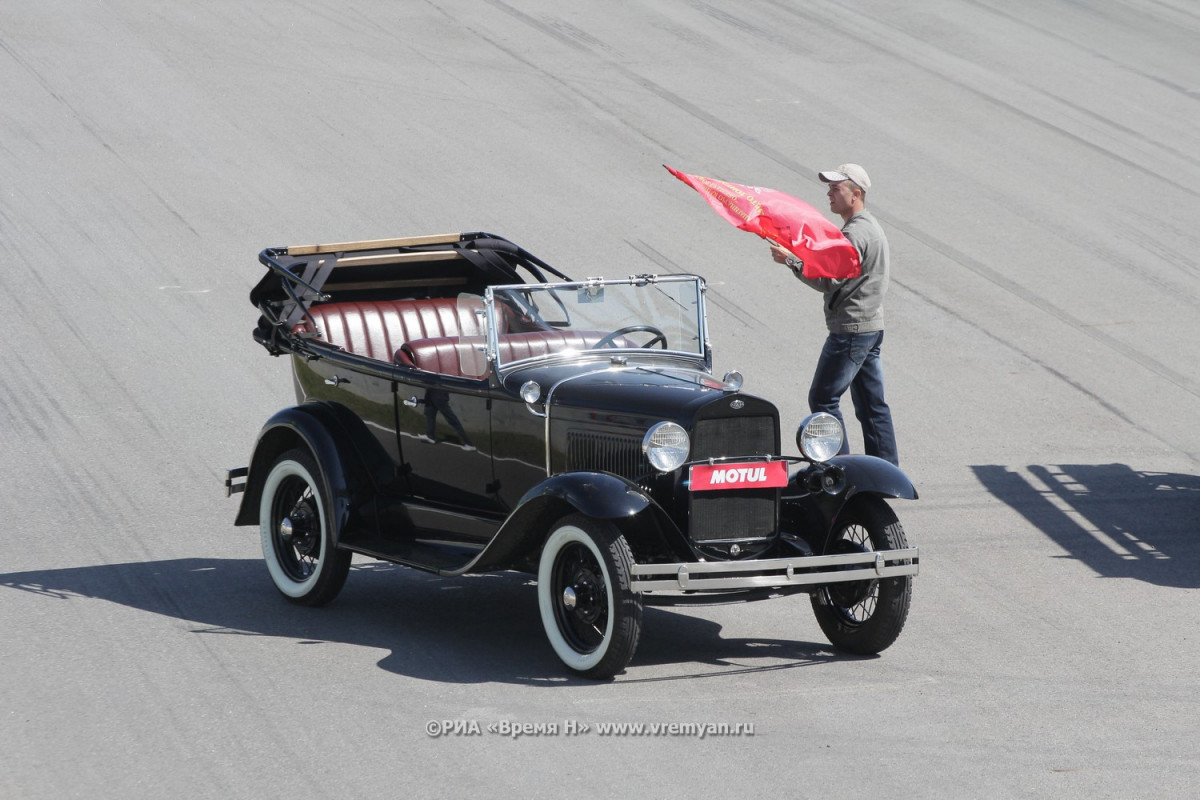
[[378, 329], [424, 332]]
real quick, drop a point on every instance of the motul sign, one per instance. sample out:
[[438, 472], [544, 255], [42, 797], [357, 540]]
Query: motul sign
[[763, 475]]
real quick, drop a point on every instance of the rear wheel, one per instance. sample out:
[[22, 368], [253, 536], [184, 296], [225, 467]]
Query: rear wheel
[[297, 532], [591, 618], [865, 617]]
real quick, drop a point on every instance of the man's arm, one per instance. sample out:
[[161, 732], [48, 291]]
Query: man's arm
[[782, 256]]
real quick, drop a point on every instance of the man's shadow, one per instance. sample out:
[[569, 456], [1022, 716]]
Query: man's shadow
[[475, 629], [1120, 522]]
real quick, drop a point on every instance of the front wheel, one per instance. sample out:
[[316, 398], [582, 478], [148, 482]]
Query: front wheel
[[865, 617], [591, 618], [297, 532]]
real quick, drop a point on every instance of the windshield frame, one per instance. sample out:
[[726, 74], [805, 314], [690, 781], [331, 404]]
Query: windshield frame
[[700, 357]]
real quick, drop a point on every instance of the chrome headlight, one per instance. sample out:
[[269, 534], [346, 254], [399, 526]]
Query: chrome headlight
[[819, 437], [667, 445], [531, 392]]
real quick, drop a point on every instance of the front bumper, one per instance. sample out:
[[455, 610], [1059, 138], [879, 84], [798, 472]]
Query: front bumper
[[771, 573]]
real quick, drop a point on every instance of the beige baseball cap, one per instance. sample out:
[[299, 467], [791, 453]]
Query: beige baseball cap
[[847, 172]]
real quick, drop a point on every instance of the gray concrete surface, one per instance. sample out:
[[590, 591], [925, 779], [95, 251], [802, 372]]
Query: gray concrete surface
[[1035, 165]]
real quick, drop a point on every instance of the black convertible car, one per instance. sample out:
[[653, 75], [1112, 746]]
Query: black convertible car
[[463, 407]]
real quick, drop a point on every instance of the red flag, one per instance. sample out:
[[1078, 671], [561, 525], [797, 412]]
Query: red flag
[[783, 219]]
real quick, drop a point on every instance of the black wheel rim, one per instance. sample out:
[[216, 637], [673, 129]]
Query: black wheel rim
[[580, 597], [855, 601], [296, 528]]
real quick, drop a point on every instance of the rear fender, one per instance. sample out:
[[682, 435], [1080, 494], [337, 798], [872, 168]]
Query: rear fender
[[353, 464]]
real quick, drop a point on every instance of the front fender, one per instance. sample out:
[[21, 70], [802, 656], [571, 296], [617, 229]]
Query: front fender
[[816, 495], [351, 461], [874, 476], [598, 495]]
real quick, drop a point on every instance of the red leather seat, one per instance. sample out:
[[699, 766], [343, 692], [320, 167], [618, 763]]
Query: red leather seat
[[440, 354], [516, 346], [446, 354], [378, 329], [425, 332]]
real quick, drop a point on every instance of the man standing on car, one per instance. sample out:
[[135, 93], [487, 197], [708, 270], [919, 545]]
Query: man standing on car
[[854, 316]]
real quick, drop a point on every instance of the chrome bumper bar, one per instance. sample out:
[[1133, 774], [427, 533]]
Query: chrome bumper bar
[[718, 576]]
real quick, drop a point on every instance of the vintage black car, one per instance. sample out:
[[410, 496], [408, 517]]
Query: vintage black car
[[464, 407]]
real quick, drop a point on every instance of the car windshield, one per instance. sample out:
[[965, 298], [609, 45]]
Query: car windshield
[[651, 314]]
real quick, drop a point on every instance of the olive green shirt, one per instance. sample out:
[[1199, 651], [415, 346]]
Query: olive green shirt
[[855, 305]]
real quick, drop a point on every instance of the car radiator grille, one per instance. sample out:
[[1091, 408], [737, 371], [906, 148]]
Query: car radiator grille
[[620, 455], [735, 436], [740, 514]]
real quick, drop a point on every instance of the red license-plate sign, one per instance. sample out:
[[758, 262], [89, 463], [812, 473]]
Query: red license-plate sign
[[762, 475]]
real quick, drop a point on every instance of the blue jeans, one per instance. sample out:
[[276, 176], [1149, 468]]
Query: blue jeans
[[851, 361]]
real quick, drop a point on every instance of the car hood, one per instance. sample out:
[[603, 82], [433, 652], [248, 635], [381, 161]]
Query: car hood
[[664, 391]]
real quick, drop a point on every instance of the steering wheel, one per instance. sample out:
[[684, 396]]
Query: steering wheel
[[611, 339]]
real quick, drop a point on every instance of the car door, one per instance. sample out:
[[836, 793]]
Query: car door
[[444, 438], [360, 385]]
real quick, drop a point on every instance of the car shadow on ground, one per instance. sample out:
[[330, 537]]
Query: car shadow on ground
[[474, 629], [1120, 522]]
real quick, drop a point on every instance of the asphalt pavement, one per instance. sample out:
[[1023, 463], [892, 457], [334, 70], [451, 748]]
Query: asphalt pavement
[[1035, 166]]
